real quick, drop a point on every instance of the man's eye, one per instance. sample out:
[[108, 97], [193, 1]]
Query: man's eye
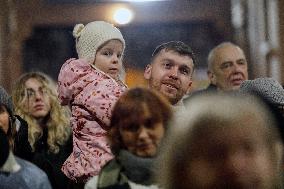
[[226, 65], [167, 65], [248, 147], [185, 71], [241, 62]]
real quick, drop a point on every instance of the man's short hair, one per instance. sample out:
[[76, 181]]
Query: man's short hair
[[176, 46]]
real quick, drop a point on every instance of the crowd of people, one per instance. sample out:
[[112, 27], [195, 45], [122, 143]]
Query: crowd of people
[[89, 130]]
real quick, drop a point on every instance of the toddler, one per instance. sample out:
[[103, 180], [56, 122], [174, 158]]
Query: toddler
[[91, 85]]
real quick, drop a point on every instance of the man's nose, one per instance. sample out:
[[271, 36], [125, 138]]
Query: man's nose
[[174, 73], [237, 67]]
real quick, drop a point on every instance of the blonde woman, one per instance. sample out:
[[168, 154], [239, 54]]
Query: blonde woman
[[35, 100]]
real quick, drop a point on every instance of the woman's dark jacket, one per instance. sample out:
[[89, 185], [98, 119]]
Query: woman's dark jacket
[[51, 163]]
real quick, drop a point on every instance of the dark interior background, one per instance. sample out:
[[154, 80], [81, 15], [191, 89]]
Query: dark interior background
[[49, 47]]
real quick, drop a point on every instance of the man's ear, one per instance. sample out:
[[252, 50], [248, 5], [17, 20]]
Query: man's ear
[[148, 71], [189, 86], [211, 77]]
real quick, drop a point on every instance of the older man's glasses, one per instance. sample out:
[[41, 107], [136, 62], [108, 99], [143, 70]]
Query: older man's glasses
[[32, 94]]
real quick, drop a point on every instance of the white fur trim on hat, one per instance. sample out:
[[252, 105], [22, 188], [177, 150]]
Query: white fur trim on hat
[[90, 37], [268, 88]]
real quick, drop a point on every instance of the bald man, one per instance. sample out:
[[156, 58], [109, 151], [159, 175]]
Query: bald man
[[227, 67]]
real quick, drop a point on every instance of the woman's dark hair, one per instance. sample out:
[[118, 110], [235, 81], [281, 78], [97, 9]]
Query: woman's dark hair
[[11, 133], [4, 147]]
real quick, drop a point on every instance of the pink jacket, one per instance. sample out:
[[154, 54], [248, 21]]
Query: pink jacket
[[91, 95]]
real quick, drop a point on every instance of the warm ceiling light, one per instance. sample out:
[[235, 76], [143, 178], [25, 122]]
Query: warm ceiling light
[[122, 16]]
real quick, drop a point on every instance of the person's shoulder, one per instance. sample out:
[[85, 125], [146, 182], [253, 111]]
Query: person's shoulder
[[209, 89], [76, 66], [31, 169], [29, 175], [74, 61], [92, 183], [134, 185]]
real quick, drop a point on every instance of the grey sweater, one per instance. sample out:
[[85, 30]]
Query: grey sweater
[[28, 176]]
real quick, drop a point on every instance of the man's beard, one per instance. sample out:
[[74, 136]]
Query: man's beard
[[173, 99]]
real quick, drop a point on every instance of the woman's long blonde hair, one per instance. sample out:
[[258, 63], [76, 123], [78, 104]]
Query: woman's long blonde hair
[[57, 123]]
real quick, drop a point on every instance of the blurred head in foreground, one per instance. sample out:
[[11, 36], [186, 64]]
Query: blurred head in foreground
[[223, 142]]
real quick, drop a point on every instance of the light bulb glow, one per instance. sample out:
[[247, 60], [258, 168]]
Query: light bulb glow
[[122, 16]]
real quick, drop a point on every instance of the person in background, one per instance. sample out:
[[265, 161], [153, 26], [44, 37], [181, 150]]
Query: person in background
[[90, 86], [268, 88], [223, 142], [16, 172], [138, 125], [227, 67], [170, 71], [15, 127], [35, 100]]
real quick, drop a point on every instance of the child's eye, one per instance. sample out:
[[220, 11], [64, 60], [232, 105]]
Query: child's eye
[[107, 53], [119, 55]]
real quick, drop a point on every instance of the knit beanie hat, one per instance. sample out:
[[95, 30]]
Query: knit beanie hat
[[90, 37], [268, 88], [6, 100]]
